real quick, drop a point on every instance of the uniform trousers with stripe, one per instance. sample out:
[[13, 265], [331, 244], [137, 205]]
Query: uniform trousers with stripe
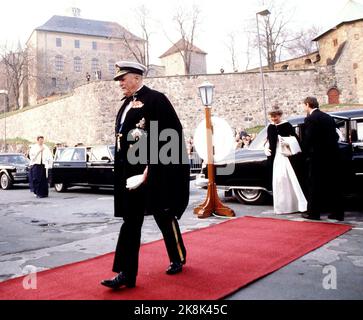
[[128, 245]]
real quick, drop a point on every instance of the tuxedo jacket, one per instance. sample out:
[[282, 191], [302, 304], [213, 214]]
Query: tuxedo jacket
[[167, 185], [320, 139]]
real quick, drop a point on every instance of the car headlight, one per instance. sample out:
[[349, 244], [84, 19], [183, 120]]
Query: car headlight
[[20, 170]]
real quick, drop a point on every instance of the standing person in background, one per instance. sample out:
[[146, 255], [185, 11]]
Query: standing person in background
[[40, 160], [322, 156]]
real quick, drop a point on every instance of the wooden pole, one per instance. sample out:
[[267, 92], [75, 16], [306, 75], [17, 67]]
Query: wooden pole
[[212, 204]]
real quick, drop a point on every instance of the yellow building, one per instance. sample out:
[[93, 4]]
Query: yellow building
[[67, 51], [174, 63]]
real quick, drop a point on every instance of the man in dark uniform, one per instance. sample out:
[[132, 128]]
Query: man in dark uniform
[[321, 151], [145, 119]]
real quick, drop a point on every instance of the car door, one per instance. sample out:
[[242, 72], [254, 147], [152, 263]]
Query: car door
[[356, 136], [346, 170], [70, 166], [100, 166]]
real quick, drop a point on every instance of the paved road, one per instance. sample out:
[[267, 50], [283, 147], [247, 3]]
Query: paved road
[[79, 224]]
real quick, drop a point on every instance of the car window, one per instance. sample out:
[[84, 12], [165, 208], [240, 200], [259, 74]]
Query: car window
[[341, 125], [356, 133], [259, 142], [71, 154], [112, 151], [360, 131], [13, 159], [66, 155], [100, 153], [79, 154], [3, 159], [18, 159]]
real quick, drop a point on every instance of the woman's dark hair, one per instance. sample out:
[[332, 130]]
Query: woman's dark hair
[[312, 102]]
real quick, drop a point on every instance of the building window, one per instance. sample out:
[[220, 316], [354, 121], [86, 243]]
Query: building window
[[94, 45], [77, 64], [335, 42], [54, 82], [355, 65], [95, 65], [58, 42], [77, 44], [111, 67], [59, 63]]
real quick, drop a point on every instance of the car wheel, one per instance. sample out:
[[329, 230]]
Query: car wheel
[[5, 182], [60, 187], [250, 196]]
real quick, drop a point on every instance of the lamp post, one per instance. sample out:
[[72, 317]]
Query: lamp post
[[5, 93], [264, 13], [212, 204]]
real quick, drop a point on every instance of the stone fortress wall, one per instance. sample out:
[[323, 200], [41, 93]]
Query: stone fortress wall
[[88, 114]]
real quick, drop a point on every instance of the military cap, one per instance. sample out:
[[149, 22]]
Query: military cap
[[124, 67]]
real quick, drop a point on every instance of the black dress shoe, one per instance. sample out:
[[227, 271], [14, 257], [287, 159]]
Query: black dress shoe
[[175, 267], [118, 281], [310, 216], [334, 216]]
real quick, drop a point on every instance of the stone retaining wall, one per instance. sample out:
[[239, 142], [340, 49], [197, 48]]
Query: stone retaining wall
[[88, 114]]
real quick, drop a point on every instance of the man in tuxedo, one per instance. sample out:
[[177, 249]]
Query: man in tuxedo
[[146, 126], [321, 151]]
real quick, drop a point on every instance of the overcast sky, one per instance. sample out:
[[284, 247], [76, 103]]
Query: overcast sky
[[219, 18]]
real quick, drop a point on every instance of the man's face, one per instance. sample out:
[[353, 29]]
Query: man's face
[[306, 107], [40, 141], [129, 83]]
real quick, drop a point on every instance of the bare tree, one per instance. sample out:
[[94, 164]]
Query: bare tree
[[231, 46], [187, 22], [275, 35], [303, 43], [15, 64], [140, 50]]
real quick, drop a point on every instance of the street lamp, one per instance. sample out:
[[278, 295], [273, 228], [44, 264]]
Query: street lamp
[[5, 93], [263, 13], [212, 204]]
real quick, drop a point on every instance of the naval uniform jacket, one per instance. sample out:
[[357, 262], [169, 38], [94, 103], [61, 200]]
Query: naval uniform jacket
[[167, 185]]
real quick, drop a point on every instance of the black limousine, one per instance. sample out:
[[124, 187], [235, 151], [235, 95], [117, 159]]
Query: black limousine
[[249, 179], [14, 169], [83, 166]]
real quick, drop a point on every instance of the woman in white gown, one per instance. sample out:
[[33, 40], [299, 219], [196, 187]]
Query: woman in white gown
[[287, 193]]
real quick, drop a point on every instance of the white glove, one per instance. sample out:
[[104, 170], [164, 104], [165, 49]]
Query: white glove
[[267, 150]]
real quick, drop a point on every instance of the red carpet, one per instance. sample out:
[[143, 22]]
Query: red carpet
[[221, 259]]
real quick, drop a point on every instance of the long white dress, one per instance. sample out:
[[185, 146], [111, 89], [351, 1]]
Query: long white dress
[[287, 193]]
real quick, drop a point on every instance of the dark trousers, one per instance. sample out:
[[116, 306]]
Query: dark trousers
[[127, 250], [40, 181], [324, 190]]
